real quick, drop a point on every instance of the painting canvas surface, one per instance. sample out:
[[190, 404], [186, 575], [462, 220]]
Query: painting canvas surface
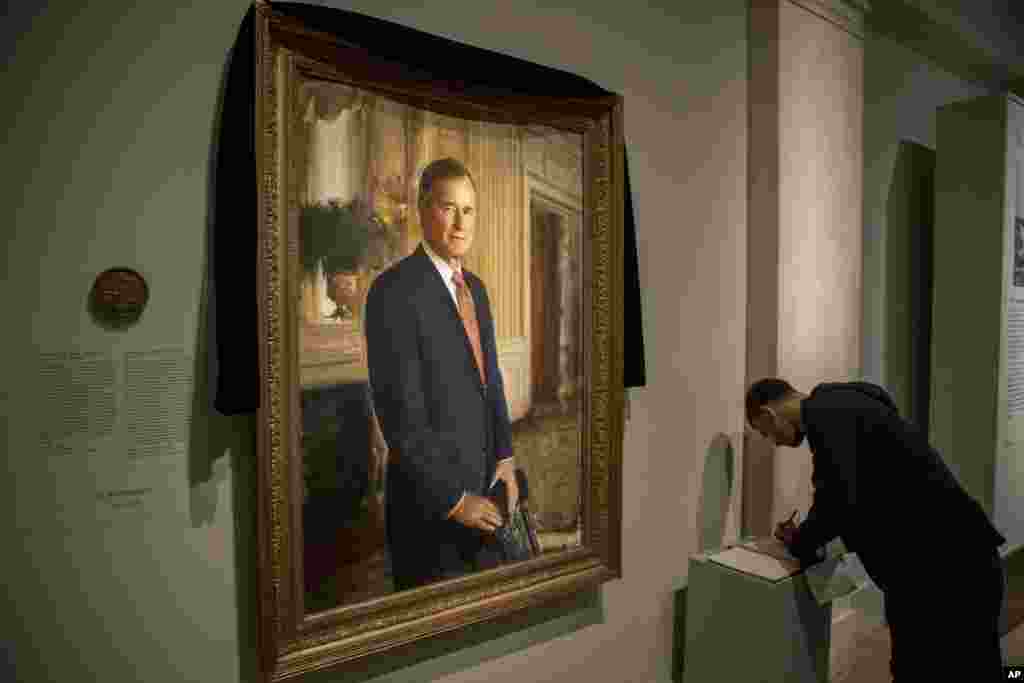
[[355, 164]]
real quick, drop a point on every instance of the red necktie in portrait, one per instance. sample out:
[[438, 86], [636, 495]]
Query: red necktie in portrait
[[467, 311]]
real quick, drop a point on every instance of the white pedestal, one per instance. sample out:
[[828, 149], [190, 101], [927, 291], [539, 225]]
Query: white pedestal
[[741, 626]]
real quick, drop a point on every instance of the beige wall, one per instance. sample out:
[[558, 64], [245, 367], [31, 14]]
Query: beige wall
[[806, 146], [820, 121]]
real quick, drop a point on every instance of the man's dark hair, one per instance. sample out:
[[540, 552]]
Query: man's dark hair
[[765, 391], [441, 169]]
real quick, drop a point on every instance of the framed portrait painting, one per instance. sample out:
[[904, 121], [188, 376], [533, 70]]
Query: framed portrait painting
[[440, 290]]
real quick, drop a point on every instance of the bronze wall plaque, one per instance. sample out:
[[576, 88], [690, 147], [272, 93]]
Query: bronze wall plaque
[[118, 297]]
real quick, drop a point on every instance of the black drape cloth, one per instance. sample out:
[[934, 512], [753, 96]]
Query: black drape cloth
[[234, 259]]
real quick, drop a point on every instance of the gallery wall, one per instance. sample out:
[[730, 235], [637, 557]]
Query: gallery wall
[[109, 115], [902, 90], [120, 565], [138, 568]]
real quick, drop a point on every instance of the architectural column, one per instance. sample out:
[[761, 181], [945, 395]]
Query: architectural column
[[804, 225]]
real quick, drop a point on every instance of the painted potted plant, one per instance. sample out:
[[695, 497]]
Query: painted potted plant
[[334, 239]]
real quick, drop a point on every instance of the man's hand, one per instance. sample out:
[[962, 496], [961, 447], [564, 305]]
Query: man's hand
[[478, 512], [786, 532], [507, 472]]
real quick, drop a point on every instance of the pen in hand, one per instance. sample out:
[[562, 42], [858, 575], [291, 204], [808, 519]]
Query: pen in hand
[[784, 531]]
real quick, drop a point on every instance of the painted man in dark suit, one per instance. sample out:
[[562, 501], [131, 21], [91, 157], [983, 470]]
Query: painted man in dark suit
[[438, 393]]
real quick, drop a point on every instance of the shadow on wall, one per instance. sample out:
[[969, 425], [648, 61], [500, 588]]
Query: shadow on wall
[[222, 447], [758, 480], [716, 492], [910, 221]]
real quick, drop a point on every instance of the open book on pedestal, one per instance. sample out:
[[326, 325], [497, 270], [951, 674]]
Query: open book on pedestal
[[767, 558], [764, 562], [768, 545]]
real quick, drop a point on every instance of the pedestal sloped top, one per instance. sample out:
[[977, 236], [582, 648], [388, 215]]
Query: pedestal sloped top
[[756, 563]]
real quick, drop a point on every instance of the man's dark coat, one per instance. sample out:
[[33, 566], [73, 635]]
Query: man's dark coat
[[882, 488]]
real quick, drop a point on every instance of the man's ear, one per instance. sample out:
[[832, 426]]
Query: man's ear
[[759, 417]]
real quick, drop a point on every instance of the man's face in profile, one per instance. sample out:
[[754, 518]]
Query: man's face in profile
[[449, 218], [779, 431]]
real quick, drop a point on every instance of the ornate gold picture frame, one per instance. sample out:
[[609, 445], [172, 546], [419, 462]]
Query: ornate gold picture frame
[[342, 140]]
